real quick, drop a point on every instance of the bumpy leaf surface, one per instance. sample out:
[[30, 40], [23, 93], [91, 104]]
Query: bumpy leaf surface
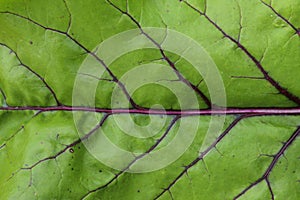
[[255, 45]]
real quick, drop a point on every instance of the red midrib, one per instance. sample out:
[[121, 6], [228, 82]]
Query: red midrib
[[216, 111]]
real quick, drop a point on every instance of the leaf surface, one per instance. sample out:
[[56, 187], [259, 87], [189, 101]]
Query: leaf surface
[[45, 155]]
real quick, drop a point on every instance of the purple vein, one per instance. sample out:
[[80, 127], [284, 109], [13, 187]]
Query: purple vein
[[114, 78], [225, 111], [35, 73], [266, 75], [283, 18], [272, 165], [172, 123], [270, 188], [165, 57], [248, 77], [203, 154]]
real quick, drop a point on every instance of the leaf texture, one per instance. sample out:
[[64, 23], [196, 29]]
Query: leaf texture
[[44, 154]]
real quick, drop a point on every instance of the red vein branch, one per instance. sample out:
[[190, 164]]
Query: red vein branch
[[35, 73], [297, 31], [85, 137], [266, 75], [114, 77], [272, 165], [172, 123], [165, 57], [203, 154]]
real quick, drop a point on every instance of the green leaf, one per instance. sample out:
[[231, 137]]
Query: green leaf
[[152, 123]]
